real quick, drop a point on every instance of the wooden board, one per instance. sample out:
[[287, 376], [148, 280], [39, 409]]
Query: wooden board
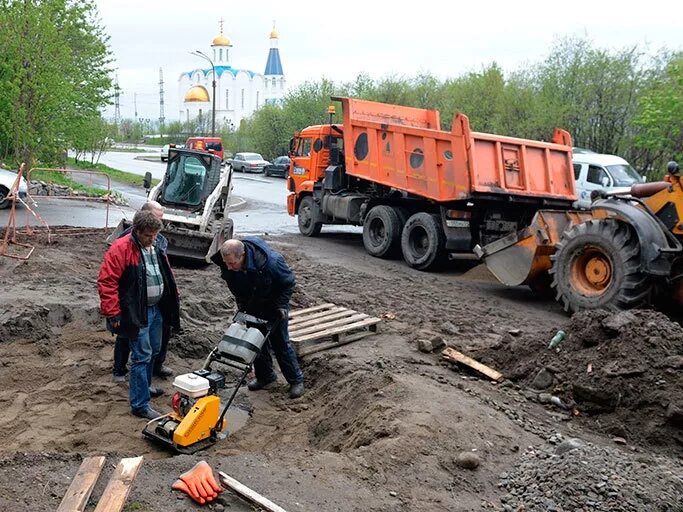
[[78, 493], [458, 357], [116, 493], [248, 494], [307, 327]]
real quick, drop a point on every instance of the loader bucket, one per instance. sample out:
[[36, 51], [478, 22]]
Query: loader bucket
[[522, 257]]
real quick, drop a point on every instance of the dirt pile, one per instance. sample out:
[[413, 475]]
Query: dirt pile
[[620, 372]]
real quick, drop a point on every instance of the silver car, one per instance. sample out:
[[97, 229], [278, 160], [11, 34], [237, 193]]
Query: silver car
[[248, 162]]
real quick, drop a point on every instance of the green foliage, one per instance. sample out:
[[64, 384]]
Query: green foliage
[[54, 77]]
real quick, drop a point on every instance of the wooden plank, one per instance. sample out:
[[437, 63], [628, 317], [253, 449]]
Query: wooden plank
[[334, 344], [299, 312], [315, 328], [116, 493], [315, 316], [248, 494], [339, 330], [458, 357], [304, 322], [78, 493]]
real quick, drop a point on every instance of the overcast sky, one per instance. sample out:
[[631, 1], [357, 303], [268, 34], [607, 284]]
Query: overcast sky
[[339, 40]]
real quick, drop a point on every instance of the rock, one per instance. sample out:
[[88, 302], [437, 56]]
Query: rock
[[615, 323], [619, 440], [543, 380], [425, 346], [569, 445], [544, 398], [514, 332], [393, 494], [468, 460], [437, 342], [675, 362]]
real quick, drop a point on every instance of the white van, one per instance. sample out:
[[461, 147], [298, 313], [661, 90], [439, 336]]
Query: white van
[[593, 171]]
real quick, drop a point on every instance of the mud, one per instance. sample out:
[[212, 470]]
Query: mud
[[381, 427]]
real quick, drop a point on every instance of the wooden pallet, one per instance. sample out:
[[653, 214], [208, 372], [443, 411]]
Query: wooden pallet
[[309, 326]]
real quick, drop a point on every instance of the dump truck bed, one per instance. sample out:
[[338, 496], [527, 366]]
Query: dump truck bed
[[404, 148]]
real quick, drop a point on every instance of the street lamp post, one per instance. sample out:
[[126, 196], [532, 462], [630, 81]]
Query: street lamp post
[[213, 91]]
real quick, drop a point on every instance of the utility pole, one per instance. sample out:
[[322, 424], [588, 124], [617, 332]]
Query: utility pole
[[135, 103], [161, 102], [117, 104]]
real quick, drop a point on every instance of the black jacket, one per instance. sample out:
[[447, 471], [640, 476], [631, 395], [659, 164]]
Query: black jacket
[[267, 283]]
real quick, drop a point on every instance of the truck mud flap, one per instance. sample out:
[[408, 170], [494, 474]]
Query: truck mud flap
[[522, 257]]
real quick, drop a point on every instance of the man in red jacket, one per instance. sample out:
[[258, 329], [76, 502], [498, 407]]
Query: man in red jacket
[[137, 294]]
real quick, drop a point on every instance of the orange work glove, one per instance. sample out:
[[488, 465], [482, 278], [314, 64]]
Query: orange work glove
[[201, 483], [179, 485]]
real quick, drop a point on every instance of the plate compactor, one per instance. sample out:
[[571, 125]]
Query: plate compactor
[[197, 421]]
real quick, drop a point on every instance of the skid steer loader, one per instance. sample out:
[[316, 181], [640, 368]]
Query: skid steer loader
[[195, 193], [624, 253]]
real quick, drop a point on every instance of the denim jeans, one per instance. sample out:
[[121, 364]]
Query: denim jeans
[[143, 351], [284, 353], [122, 351]]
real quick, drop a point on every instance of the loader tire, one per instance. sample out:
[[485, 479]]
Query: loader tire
[[4, 202], [307, 216], [382, 231], [597, 265], [423, 241]]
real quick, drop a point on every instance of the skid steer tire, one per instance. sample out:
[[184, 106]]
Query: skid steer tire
[[423, 241], [597, 265], [382, 231], [307, 216]]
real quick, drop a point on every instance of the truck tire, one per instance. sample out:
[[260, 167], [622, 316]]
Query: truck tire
[[307, 216], [597, 265], [423, 241], [382, 231]]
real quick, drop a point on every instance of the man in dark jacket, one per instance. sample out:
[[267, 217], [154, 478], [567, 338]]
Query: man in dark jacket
[[122, 344], [137, 289], [262, 284]]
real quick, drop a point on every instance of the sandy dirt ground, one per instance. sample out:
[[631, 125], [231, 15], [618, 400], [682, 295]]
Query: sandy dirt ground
[[593, 424]]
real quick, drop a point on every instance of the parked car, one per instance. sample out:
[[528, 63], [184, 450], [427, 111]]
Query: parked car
[[206, 143], [279, 167], [594, 171], [249, 162], [7, 179], [164, 152]]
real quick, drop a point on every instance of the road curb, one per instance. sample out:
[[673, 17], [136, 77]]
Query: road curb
[[236, 203]]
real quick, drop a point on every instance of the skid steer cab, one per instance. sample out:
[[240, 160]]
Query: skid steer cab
[[196, 420], [195, 193]]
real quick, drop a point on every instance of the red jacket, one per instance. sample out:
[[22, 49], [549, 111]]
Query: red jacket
[[122, 285]]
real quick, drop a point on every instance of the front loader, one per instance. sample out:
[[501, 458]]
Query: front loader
[[624, 253], [195, 193]]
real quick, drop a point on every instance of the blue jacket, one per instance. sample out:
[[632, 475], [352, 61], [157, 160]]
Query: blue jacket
[[266, 284]]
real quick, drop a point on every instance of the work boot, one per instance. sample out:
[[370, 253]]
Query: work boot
[[296, 390], [147, 413], [164, 371], [155, 392], [256, 384]]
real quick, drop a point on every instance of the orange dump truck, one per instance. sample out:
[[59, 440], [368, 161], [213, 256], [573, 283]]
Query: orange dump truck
[[419, 190], [429, 194]]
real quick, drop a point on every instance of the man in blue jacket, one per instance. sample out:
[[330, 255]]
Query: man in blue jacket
[[262, 284]]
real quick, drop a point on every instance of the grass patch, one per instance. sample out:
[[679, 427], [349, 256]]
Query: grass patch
[[114, 174], [59, 178]]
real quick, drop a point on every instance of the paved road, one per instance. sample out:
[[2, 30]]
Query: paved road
[[265, 210]]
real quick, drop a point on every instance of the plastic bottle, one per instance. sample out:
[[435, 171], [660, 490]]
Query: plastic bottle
[[557, 339]]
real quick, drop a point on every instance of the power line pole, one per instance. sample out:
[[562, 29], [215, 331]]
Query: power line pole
[[135, 103], [161, 102], [117, 104]]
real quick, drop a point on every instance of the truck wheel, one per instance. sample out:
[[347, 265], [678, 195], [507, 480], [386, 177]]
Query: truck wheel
[[382, 231], [308, 216], [596, 265], [423, 241]]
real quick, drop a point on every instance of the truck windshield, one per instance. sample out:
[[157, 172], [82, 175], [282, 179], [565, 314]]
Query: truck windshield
[[624, 175], [185, 181]]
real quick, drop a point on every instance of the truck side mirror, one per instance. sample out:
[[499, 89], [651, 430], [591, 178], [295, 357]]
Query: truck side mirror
[[147, 182]]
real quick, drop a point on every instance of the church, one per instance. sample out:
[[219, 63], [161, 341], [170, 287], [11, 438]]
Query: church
[[239, 92]]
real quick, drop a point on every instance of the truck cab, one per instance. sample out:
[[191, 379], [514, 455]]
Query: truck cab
[[594, 171]]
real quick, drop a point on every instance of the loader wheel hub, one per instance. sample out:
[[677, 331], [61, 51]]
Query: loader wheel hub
[[591, 272]]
